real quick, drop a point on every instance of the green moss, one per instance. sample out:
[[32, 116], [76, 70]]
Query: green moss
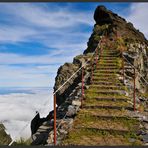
[[23, 142]]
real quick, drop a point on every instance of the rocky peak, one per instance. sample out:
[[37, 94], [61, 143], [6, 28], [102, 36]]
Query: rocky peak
[[103, 16], [109, 23]]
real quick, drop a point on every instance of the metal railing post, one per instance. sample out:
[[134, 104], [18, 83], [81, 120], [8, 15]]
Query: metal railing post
[[91, 71], [82, 86], [96, 57], [134, 93], [123, 66], [55, 130]]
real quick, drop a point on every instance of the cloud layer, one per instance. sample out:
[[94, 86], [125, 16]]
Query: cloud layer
[[18, 109]]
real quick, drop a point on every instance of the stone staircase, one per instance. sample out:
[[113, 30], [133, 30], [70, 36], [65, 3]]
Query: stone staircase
[[104, 118]]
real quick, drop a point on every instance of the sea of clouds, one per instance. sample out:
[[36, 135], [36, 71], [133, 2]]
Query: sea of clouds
[[18, 106]]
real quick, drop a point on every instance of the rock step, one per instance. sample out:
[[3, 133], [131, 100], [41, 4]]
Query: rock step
[[110, 131], [107, 107], [107, 65], [104, 103], [100, 96], [109, 56], [112, 52], [109, 79], [93, 137], [112, 117], [105, 112], [98, 75], [108, 68], [105, 74], [108, 117], [107, 92], [109, 61], [106, 83], [110, 99], [107, 87]]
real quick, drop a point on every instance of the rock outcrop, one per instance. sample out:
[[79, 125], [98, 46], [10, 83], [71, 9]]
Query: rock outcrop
[[5, 139], [110, 23]]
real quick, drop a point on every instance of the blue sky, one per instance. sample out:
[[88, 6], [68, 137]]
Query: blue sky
[[36, 38]]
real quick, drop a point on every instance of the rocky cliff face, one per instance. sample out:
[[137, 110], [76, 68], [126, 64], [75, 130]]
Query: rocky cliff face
[[109, 24], [64, 73]]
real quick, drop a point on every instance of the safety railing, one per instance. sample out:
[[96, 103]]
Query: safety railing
[[95, 54], [134, 81], [118, 35], [82, 68], [134, 77]]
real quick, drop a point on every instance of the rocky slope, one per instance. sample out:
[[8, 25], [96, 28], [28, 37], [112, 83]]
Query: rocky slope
[[4, 138], [120, 34]]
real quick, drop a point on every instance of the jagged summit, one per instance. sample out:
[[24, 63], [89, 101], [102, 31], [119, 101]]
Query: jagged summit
[[104, 16], [109, 23]]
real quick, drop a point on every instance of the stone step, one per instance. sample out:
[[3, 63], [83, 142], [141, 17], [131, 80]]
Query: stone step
[[109, 56], [108, 60], [109, 92], [107, 107], [105, 74], [110, 99], [107, 65], [105, 77], [107, 87], [106, 71], [106, 68], [93, 137], [109, 130], [107, 83], [101, 78], [105, 113]]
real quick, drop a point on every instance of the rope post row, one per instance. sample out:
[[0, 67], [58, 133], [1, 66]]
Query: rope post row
[[134, 91], [91, 79], [123, 66], [55, 130], [82, 89], [96, 57]]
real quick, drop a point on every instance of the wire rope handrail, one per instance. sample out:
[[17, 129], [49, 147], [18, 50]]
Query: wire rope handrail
[[136, 70], [83, 65]]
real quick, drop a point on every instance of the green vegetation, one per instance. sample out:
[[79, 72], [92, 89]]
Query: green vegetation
[[22, 142]]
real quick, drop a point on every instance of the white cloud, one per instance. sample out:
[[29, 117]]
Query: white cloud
[[18, 109], [37, 21], [53, 27], [42, 16], [138, 15], [12, 34]]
